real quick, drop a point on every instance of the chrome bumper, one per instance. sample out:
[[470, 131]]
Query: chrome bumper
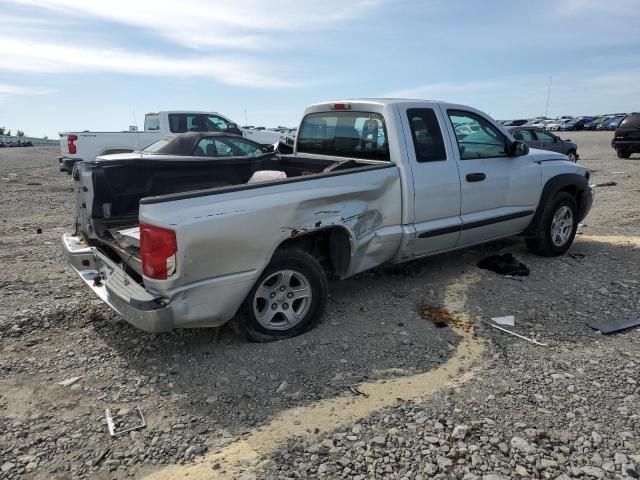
[[117, 289]]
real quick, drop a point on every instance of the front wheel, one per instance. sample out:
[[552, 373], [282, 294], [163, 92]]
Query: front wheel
[[623, 154], [288, 299], [572, 156], [557, 228]]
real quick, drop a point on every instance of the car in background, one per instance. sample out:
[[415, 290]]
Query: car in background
[[575, 124], [591, 124], [604, 124], [537, 138], [541, 124], [613, 124], [626, 139], [555, 125], [514, 123]]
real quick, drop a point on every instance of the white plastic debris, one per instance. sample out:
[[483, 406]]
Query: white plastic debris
[[508, 320], [70, 381], [13, 177], [267, 176]]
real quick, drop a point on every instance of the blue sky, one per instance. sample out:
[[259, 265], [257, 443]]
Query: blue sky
[[70, 65]]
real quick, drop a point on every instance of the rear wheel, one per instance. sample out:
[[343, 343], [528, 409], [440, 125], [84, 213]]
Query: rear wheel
[[288, 299], [623, 154], [557, 228]]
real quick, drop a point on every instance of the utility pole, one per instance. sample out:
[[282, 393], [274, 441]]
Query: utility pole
[[546, 110]]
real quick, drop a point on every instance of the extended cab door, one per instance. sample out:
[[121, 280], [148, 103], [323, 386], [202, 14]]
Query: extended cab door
[[499, 191], [436, 182]]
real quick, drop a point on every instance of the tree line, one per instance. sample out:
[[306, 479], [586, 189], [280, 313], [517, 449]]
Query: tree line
[[6, 131]]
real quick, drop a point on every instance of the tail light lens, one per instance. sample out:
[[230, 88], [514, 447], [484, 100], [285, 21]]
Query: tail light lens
[[158, 249], [70, 145]]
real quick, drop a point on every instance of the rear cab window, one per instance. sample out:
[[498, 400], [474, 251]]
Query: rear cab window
[[344, 134]]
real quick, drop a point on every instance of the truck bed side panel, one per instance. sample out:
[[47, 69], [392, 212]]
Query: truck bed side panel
[[228, 239]]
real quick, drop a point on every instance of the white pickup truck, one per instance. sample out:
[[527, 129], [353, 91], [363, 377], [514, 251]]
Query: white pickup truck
[[168, 242], [82, 146]]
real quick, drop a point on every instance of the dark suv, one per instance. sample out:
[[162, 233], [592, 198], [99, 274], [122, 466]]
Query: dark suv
[[626, 139]]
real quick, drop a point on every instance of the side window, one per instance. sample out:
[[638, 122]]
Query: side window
[[426, 134], [544, 136], [215, 124], [477, 138], [523, 135]]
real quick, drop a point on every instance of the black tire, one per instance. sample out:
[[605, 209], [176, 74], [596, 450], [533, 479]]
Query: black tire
[[303, 264], [623, 154], [572, 155], [543, 244]]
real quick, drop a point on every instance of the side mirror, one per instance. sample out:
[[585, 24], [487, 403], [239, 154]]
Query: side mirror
[[519, 149], [233, 128]]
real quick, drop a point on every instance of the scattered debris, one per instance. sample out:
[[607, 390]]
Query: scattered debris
[[606, 184], [356, 392], [577, 256], [505, 264], [70, 381], [13, 177], [39, 231], [614, 326], [33, 183], [441, 317], [514, 277], [618, 172], [531, 340], [112, 426], [508, 320]]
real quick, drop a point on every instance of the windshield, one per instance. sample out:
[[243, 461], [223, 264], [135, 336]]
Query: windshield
[[227, 147], [155, 146]]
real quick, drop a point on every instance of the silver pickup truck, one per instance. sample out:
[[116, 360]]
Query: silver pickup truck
[[169, 241]]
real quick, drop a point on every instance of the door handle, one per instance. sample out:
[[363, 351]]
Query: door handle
[[476, 177]]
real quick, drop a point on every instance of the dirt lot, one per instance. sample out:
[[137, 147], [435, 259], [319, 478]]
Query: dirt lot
[[574, 403]]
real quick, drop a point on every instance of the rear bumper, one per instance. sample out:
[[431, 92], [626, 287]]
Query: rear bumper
[[631, 146], [586, 201], [117, 289], [66, 164]]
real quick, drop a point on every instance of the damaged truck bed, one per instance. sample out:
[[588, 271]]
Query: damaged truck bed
[[170, 241]]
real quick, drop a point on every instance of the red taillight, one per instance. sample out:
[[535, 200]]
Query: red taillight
[[158, 249], [70, 145], [341, 106]]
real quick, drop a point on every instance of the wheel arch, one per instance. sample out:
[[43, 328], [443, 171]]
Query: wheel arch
[[572, 183], [332, 246]]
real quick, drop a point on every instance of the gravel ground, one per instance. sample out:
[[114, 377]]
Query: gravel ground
[[201, 390]]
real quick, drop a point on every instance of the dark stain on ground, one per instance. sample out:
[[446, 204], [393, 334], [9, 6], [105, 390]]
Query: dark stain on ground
[[441, 317]]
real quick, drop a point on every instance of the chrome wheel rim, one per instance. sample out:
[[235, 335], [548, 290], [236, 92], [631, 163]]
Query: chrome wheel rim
[[572, 157], [282, 300], [562, 226]]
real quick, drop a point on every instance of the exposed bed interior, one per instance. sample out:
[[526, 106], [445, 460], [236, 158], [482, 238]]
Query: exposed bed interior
[[119, 187]]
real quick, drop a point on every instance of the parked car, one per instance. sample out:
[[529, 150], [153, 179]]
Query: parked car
[[577, 124], [604, 124], [613, 124], [86, 145], [204, 242], [514, 123], [541, 124], [556, 124], [544, 140], [591, 125], [626, 139]]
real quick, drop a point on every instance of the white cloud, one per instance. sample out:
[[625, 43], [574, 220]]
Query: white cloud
[[234, 24], [24, 55]]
